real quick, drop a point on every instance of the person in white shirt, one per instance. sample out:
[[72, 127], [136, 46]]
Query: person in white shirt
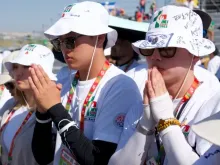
[[214, 63], [171, 54], [89, 112], [125, 58], [6, 82], [17, 119]]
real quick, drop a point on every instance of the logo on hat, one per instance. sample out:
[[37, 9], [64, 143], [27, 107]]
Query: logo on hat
[[67, 9], [161, 20], [30, 48]]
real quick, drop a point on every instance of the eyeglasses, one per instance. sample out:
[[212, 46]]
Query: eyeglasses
[[68, 43], [9, 85], [164, 52]]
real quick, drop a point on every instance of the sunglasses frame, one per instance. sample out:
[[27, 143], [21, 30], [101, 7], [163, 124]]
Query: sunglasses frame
[[57, 46], [159, 49]]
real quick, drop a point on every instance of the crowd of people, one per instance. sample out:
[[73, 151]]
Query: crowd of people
[[105, 107]]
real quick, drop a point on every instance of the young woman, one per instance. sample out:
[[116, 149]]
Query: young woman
[[18, 121]]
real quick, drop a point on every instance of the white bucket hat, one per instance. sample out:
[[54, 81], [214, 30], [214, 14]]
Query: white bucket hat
[[176, 26], [34, 54], [86, 18], [5, 76], [209, 129]]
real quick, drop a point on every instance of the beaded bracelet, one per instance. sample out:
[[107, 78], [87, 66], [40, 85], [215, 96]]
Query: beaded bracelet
[[163, 124]]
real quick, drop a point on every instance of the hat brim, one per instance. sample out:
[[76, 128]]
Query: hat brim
[[66, 25], [20, 61], [200, 46], [209, 129], [4, 78], [205, 17]]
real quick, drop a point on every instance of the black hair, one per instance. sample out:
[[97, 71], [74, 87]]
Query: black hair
[[216, 52], [58, 55], [105, 42]]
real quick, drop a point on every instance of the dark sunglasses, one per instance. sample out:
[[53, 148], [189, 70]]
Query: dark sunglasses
[[164, 52], [9, 85], [68, 43]]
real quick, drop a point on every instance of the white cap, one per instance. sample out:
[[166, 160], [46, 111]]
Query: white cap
[[6, 53], [35, 54], [176, 26], [86, 18], [209, 129], [5, 76]]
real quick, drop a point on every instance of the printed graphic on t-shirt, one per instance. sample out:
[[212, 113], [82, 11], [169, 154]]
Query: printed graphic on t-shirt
[[119, 120], [92, 110]]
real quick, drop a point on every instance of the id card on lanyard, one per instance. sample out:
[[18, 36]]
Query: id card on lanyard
[[177, 112], [67, 158], [16, 134]]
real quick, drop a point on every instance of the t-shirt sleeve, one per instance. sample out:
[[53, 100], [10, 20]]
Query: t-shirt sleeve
[[130, 123], [113, 108], [213, 65]]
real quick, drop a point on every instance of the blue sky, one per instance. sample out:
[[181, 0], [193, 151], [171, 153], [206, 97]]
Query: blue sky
[[36, 15]]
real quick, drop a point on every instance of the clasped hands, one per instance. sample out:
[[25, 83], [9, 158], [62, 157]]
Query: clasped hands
[[157, 103], [45, 91]]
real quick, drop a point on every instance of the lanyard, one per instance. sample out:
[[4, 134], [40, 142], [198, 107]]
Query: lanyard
[[92, 89], [186, 97], [178, 111], [2, 87], [17, 132]]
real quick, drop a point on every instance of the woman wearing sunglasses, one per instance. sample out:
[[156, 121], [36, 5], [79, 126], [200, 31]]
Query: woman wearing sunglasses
[[18, 120]]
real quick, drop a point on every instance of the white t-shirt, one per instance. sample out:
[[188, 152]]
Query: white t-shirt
[[204, 75], [115, 96], [64, 72], [138, 72], [204, 102], [214, 65], [13, 125]]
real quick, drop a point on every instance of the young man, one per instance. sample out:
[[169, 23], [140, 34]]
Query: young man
[[172, 47], [95, 100], [126, 59]]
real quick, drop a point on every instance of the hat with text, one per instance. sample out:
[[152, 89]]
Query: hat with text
[[85, 18], [176, 26], [34, 54], [5, 76], [209, 129], [206, 18]]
